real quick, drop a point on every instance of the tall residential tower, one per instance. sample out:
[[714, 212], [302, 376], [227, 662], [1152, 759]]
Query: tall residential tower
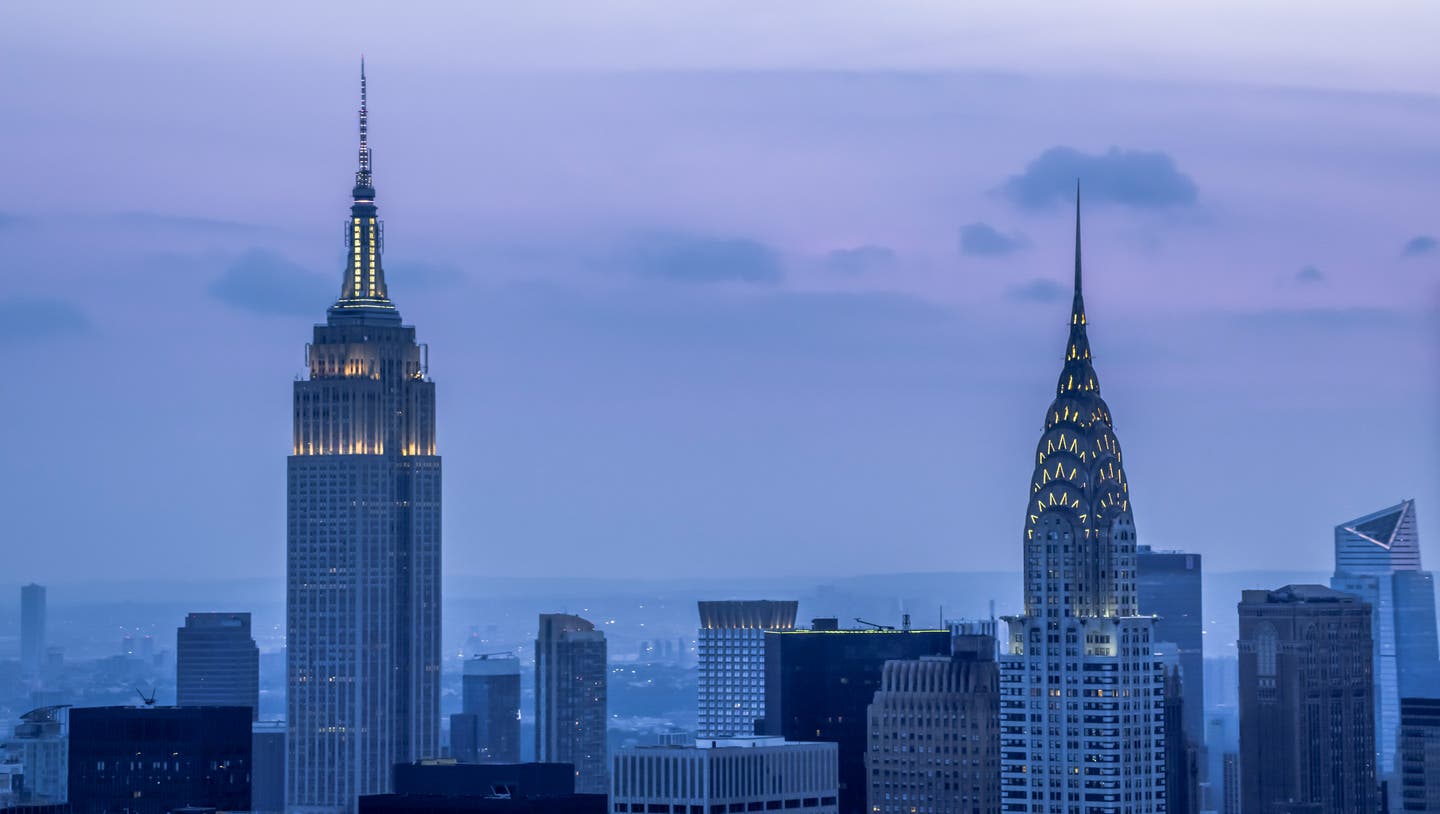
[[571, 678], [363, 558], [1082, 709]]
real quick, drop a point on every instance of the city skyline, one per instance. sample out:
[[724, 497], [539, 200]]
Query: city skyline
[[866, 254]]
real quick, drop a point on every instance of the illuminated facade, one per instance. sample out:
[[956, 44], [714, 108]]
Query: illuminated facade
[[363, 530], [1082, 693], [731, 646]]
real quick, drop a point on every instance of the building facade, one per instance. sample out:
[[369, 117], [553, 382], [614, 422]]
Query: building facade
[[153, 760], [267, 767], [820, 683], [1377, 558], [1169, 586], [934, 735], [32, 629], [217, 663], [731, 647], [571, 680], [1418, 757], [40, 749], [1082, 697], [487, 730], [363, 558], [734, 774], [1307, 719]]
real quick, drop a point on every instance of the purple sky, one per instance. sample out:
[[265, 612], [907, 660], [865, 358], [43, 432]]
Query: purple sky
[[720, 290]]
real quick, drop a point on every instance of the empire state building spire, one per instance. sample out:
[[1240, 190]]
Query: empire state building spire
[[363, 295]]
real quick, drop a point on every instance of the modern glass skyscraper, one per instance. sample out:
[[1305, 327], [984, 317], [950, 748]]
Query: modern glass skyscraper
[[731, 645], [363, 559], [1377, 558], [217, 663], [32, 628], [487, 729], [1082, 718]]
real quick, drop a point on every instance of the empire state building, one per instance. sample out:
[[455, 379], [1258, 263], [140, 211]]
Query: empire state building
[[363, 539], [1081, 704]]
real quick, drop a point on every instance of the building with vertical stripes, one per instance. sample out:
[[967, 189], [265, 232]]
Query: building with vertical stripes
[[723, 776]]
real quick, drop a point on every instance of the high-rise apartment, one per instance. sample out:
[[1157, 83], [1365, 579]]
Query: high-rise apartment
[[487, 729], [217, 663], [32, 629], [820, 683], [1082, 697], [934, 733], [1307, 719], [731, 645], [571, 677], [1168, 585], [363, 531], [1377, 558]]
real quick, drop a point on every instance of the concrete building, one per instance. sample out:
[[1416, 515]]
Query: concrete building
[[217, 663], [487, 730], [820, 683], [1377, 558], [735, 774], [363, 539], [1082, 711], [1307, 718], [32, 629], [731, 649], [934, 733], [571, 679], [153, 760], [1418, 756], [38, 756]]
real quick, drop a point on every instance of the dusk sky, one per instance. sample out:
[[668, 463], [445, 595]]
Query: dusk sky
[[721, 289]]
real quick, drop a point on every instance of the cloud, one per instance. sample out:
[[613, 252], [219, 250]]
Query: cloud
[[422, 276], [1139, 179], [26, 321], [1309, 275], [1420, 245], [1036, 290], [266, 283], [983, 240], [861, 259], [697, 259]]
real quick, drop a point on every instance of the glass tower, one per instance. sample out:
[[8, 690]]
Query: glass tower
[[1082, 718], [363, 539]]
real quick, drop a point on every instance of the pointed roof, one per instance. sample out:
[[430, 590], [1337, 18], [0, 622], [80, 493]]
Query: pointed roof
[[1078, 375], [1380, 527], [363, 295]]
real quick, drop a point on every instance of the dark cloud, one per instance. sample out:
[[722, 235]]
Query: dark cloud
[[1136, 178], [1037, 290], [1420, 245], [697, 259], [983, 240], [1309, 275], [861, 259], [26, 321], [266, 283], [422, 276]]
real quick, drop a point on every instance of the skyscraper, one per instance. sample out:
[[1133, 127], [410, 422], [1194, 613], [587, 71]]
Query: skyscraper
[[487, 729], [934, 733], [820, 682], [32, 628], [1082, 698], [571, 673], [363, 559], [1307, 726], [731, 645], [1168, 585], [1377, 558], [1419, 757], [217, 663]]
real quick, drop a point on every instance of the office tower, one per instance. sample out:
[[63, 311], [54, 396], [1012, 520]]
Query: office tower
[[819, 684], [1168, 585], [152, 760], [1082, 696], [267, 767], [1222, 737], [435, 786], [1182, 756], [363, 539], [727, 774], [1231, 783], [32, 629], [39, 748], [731, 646], [217, 663], [934, 734], [1377, 558], [1307, 719], [571, 670], [1419, 756], [487, 730]]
